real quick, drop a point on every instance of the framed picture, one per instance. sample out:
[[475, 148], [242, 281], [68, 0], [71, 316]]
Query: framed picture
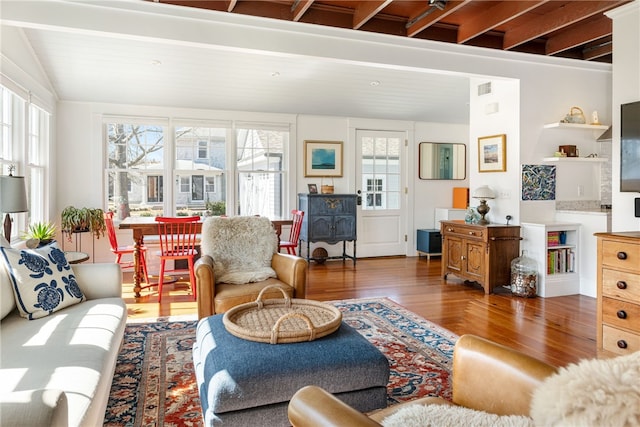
[[323, 158], [492, 153], [313, 188]]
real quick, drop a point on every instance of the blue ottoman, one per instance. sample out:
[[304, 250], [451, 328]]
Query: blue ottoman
[[246, 383]]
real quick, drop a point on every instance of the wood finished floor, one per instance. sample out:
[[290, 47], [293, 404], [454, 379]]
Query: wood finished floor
[[558, 330]]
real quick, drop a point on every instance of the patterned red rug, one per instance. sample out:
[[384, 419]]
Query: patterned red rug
[[154, 382]]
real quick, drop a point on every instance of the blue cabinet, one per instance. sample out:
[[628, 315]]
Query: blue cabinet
[[329, 218], [429, 242]]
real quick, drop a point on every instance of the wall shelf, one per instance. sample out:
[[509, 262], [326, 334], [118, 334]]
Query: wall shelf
[[560, 125], [575, 159]]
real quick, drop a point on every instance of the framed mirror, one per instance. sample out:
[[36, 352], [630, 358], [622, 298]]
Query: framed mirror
[[441, 160]]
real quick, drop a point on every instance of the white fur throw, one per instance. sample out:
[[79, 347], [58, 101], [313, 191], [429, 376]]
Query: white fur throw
[[597, 392], [241, 248], [435, 415]]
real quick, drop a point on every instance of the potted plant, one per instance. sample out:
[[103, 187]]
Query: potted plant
[[42, 232], [80, 220]]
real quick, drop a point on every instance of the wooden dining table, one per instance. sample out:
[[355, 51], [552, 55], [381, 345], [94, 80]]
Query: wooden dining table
[[146, 226]]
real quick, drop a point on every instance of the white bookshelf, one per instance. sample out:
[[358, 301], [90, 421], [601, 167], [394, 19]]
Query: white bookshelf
[[563, 276]]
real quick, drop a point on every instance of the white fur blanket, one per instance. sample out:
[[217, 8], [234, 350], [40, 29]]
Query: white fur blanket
[[241, 248], [594, 392], [436, 415]]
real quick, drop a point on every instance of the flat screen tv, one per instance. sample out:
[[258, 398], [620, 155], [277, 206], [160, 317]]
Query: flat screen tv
[[630, 147]]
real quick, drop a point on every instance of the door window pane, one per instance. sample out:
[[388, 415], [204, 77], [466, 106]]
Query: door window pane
[[381, 172]]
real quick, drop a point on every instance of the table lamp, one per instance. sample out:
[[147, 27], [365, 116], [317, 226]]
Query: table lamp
[[483, 193], [13, 199]]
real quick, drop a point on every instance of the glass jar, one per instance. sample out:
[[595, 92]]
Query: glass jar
[[471, 216], [524, 276]]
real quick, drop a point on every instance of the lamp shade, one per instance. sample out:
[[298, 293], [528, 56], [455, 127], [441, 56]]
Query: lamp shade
[[483, 192], [13, 194]]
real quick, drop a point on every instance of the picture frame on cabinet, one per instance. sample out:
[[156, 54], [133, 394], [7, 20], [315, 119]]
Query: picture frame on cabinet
[[313, 188], [323, 158], [492, 153]]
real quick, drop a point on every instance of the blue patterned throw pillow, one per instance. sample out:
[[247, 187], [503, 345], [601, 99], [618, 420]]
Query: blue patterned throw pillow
[[42, 280]]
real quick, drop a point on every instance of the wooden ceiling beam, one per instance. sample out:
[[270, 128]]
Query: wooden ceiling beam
[[365, 10], [598, 50], [570, 13], [424, 19], [579, 35], [299, 8], [494, 16]]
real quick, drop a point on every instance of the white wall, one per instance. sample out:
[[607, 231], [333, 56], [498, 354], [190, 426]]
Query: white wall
[[626, 88]]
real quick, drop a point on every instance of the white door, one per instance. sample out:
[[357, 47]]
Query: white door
[[382, 221]]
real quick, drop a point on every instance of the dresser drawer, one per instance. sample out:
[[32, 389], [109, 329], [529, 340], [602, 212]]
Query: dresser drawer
[[621, 285], [468, 232], [621, 314], [621, 255], [618, 341]]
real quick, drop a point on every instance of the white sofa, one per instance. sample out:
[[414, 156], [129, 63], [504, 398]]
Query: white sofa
[[57, 370]]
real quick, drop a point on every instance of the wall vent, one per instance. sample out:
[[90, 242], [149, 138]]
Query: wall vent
[[484, 89]]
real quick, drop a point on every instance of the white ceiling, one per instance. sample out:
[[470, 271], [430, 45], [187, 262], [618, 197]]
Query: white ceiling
[[108, 67]]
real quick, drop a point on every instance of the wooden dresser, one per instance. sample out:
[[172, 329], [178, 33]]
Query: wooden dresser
[[479, 253], [618, 309]]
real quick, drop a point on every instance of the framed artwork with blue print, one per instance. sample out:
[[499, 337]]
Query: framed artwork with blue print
[[538, 182], [42, 280]]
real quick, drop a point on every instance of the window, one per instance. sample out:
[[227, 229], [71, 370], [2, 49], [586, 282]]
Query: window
[[261, 173], [381, 172], [139, 162], [203, 150], [135, 168], [36, 162], [374, 192], [185, 184], [24, 142], [210, 184], [201, 153]]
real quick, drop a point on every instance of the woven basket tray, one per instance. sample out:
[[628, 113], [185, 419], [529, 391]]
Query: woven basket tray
[[278, 321]]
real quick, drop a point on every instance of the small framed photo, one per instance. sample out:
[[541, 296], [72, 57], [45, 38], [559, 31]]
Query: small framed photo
[[323, 158], [313, 188], [492, 153]]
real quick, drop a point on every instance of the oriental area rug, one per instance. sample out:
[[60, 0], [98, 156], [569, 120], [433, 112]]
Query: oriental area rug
[[154, 382]]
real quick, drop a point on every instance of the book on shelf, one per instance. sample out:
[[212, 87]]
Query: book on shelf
[[561, 261], [553, 238]]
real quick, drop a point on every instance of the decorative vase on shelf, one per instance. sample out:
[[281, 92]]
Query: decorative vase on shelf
[[524, 276]]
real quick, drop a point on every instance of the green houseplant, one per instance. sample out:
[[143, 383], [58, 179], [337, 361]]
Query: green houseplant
[[43, 232], [79, 220]]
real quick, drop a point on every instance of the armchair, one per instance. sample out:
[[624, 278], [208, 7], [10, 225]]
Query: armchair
[[239, 258], [486, 376]]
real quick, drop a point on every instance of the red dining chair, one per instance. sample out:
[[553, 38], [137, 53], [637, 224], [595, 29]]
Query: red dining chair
[[178, 238], [124, 250], [294, 235]]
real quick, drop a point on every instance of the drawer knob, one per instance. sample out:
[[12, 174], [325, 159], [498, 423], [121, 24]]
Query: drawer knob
[[622, 314], [622, 255], [449, 229], [621, 284], [622, 344]]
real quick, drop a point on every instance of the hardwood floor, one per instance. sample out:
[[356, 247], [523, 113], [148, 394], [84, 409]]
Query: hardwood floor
[[557, 330]]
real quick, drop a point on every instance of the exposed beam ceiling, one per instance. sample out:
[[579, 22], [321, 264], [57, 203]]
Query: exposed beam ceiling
[[568, 29]]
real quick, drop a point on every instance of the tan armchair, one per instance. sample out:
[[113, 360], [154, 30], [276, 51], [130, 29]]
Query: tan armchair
[[486, 376], [238, 253]]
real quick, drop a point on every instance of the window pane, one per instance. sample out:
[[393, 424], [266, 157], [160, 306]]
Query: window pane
[[135, 155], [200, 153], [380, 172], [134, 193], [260, 164]]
